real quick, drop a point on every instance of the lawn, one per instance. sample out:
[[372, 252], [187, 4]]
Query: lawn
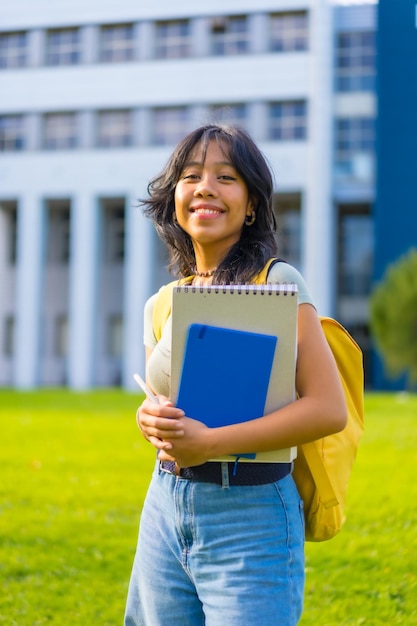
[[368, 573], [73, 475]]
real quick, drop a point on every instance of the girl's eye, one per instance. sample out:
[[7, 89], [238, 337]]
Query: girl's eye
[[227, 177], [191, 176]]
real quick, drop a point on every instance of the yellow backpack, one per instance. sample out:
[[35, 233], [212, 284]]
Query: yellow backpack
[[322, 467]]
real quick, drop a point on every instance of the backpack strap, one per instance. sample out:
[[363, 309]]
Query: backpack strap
[[162, 306], [315, 462], [162, 309], [262, 277]]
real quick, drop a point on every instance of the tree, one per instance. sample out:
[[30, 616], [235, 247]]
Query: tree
[[393, 317]]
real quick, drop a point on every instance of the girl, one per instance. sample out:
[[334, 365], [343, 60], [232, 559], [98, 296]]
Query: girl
[[206, 555]]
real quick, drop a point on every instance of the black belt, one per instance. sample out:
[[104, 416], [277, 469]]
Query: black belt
[[239, 473]]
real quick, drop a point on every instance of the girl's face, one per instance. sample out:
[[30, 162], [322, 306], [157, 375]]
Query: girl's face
[[211, 200]]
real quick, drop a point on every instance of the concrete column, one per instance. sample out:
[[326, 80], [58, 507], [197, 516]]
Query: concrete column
[[33, 131], [140, 259], [142, 126], [319, 263], [200, 37], [36, 47], [145, 41], [258, 27], [83, 285], [29, 290], [258, 121], [90, 43], [87, 129]]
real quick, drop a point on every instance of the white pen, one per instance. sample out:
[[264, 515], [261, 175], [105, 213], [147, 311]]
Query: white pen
[[139, 380]]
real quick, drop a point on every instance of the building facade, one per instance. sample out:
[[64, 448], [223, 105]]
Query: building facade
[[395, 207], [93, 98]]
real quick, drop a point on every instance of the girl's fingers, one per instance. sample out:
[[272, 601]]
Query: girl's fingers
[[162, 446]]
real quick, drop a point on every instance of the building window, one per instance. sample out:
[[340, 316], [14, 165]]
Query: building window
[[355, 61], [173, 39], [114, 230], [289, 32], [229, 35], [58, 232], [115, 336], [288, 121], [170, 125], [356, 246], [9, 211], [13, 50], [287, 209], [11, 133], [114, 129], [117, 43], [61, 336], [230, 114], [9, 336], [63, 47], [60, 131], [355, 148]]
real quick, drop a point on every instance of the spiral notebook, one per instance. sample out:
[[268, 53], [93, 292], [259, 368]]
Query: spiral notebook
[[263, 309]]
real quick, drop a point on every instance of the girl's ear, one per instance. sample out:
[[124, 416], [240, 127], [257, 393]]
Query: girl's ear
[[252, 206]]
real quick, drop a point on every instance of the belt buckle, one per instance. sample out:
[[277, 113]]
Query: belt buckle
[[167, 470]]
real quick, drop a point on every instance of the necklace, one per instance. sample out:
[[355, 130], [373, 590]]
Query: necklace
[[204, 274]]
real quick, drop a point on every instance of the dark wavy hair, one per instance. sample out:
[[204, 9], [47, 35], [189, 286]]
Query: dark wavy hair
[[257, 243]]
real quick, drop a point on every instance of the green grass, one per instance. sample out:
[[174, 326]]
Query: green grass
[[73, 475], [368, 573]]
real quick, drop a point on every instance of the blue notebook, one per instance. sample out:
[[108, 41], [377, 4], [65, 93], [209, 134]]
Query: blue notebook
[[225, 374]]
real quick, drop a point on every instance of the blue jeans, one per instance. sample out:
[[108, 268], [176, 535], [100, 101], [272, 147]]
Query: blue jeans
[[209, 556]]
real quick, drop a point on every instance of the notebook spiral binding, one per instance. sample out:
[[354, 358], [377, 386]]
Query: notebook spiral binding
[[269, 289]]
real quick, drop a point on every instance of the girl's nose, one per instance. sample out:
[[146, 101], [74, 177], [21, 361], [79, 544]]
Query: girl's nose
[[205, 188]]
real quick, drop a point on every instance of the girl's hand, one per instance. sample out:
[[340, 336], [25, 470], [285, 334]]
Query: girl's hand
[[176, 437], [191, 448], [160, 423]]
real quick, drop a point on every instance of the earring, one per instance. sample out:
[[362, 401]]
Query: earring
[[174, 218], [250, 219]]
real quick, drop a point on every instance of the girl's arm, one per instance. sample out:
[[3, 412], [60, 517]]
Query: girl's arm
[[319, 411]]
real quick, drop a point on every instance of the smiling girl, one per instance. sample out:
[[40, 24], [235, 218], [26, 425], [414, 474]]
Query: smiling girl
[[209, 555]]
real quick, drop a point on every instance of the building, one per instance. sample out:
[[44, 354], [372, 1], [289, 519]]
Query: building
[[93, 97], [395, 212]]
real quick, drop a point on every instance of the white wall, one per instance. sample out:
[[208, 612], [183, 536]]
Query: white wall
[[27, 13], [86, 174]]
